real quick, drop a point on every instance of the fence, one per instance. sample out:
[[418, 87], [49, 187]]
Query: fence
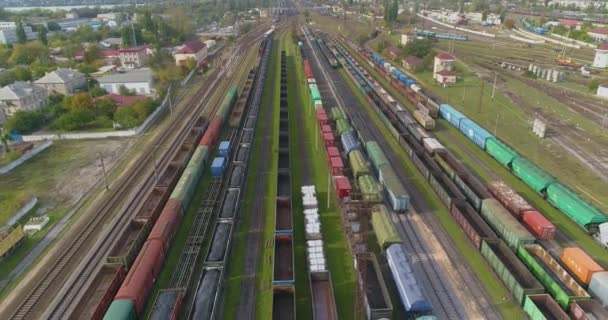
[[26, 156], [101, 135], [23, 211]]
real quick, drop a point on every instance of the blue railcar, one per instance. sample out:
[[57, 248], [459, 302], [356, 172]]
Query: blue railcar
[[409, 82], [474, 132], [409, 290], [350, 142], [403, 78], [450, 114], [217, 166]]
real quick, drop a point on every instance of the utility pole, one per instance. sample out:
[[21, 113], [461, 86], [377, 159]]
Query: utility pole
[[481, 95], [105, 174], [494, 87]]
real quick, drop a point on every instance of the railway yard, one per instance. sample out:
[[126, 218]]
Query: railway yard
[[309, 176]]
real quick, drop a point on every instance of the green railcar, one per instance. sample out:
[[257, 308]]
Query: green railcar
[[375, 154], [337, 113], [543, 307], [121, 310], [386, 232], [513, 273], [370, 189], [342, 126], [358, 164], [227, 103], [186, 185], [501, 152], [505, 224], [533, 176], [574, 207], [559, 284], [314, 92]]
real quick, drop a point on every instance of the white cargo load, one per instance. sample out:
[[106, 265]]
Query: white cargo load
[[432, 145]]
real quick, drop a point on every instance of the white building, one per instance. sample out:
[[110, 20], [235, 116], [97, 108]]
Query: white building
[[602, 90], [22, 96], [191, 50], [601, 56], [580, 4], [8, 33], [598, 34], [443, 68], [134, 57], [137, 80]]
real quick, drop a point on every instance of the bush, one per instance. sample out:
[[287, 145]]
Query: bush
[[25, 122], [75, 119], [127, 117], [12, 155]]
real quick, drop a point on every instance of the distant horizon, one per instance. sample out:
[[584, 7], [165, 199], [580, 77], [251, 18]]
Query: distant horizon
[[69, 7]]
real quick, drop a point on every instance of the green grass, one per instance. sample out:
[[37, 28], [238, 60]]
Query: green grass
[[235, 269], [339, 260], [297, 101], [498, 295], [557, 217], [266, 266]]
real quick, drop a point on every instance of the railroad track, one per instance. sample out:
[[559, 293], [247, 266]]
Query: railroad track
[[77, 248], [442, 292], [57, 272]]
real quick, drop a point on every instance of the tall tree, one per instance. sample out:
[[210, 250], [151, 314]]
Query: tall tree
[[21, 37], [42, 35]]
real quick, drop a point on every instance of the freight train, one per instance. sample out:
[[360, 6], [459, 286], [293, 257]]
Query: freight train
[[131, 298], [410, 293], [560, 196], [439, 35], [532, 28], [492, 225]]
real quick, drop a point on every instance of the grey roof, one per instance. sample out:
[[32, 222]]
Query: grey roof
[[135, 75], [60, 76], [18, 90]]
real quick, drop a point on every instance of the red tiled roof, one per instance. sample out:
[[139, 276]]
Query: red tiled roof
[[569, 23], [121, 100], [110, 53], [444, 56], [192, 47], [446, 73], [413, 60], [602, 47], [134, 49], [603, 31]]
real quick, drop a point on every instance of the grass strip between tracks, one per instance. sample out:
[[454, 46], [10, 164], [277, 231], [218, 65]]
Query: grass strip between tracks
[[339, 259], [498, 295], [557, 217], [234, 277]]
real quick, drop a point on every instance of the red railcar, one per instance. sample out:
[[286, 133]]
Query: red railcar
[[325, 128], [328, 139], [336, 166], [307, 70], [322, 119], [167, 223], [509, 198], [343, 186], [212, 133], [540, 227], [333, 152], [142, 275]]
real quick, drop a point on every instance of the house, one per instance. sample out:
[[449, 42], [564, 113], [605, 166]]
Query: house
[[393, 52], [121, 100], [111, 42], [135, 57], [111, 57], [411, 62], [64, 81], [443, 68], [8, 33], [75, 23], [445, 76], [22, 96], [104, 70], [601, 56], [570, 23], [598, 34], [194, 49], [137, 80]]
